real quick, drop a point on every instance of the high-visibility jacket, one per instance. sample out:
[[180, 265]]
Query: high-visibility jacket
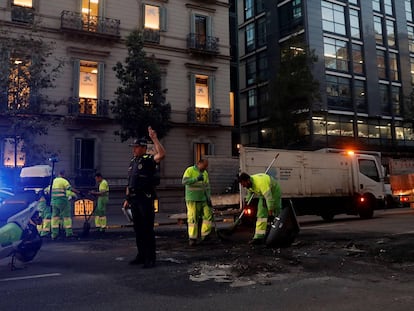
[[70, 195], [267, 187], [60, 186], [104, 188], [196, 190]]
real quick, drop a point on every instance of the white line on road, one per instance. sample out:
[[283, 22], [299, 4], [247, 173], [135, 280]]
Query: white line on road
[[31, 277], [322, 226]]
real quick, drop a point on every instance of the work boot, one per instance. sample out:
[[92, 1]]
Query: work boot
[[192, 242]]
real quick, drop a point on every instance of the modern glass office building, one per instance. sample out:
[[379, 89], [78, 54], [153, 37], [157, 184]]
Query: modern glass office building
[[365, 70]]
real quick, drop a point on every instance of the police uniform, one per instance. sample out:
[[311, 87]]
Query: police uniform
[[141, 196]]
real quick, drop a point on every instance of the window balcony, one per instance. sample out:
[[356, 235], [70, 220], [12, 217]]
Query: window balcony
[[88, 24], [203, 115], [22, 14], [202, 44], [151, 35], [89, 107]]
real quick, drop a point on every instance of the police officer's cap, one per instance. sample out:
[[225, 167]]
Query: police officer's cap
[[139, 142]]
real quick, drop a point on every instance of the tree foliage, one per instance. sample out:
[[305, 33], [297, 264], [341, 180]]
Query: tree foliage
[[140, 101], [25, 73], [294, 90]]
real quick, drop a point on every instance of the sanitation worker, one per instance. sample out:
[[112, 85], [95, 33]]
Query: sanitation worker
[[267, 190], [103, 197], [45, 213], [61, 209], [197, 199], [140, 196]]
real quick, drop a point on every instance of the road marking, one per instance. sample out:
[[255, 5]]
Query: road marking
[[401, 233], [322, 226], [31, 277]]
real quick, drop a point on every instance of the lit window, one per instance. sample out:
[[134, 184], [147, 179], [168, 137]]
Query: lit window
[[151, 17], [18, 88], [202, 92], [90, 7], [88, 88], [26, 3], [88, 80], [13, 153]]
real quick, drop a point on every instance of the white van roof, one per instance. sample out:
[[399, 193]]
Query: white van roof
[[36, 171]]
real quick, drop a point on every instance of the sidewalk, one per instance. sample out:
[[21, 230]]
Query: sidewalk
[[117, 221]]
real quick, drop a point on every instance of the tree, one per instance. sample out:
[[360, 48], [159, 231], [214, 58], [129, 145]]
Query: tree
[[294, 92], [25, 111], [140, 101]]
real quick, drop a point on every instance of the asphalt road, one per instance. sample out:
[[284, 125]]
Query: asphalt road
[[347, 264]]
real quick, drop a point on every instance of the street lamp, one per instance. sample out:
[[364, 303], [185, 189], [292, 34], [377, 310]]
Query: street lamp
[[54, 159]]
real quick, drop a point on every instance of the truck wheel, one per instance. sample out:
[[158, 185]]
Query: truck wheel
[[366, 210], [328, 216]]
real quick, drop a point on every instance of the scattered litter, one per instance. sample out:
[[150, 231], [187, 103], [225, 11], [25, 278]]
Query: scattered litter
[[355, 249], [242, 282], [172, 260]]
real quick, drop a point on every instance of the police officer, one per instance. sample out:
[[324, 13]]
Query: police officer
[[140, 195]]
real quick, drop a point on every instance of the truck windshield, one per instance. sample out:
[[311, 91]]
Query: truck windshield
[[369, 169]]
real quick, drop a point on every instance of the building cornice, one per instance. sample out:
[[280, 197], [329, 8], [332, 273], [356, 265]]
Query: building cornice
[[77, 50], [199, 7], [200, 67]]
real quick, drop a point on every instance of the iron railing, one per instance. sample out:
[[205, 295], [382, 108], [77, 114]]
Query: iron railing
[[22, 14], [88, 107], [75, 21], [151, 35], [202, 43], [203, 115]]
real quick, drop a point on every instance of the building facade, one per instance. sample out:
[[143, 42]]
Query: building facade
[[188, 39], [364, 68]]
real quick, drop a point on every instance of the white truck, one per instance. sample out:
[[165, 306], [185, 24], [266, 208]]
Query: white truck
[[324, 182]]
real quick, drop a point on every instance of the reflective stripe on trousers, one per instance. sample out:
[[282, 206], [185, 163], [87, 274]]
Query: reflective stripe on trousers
[[197, 210], [261, 222], [61, 210]]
